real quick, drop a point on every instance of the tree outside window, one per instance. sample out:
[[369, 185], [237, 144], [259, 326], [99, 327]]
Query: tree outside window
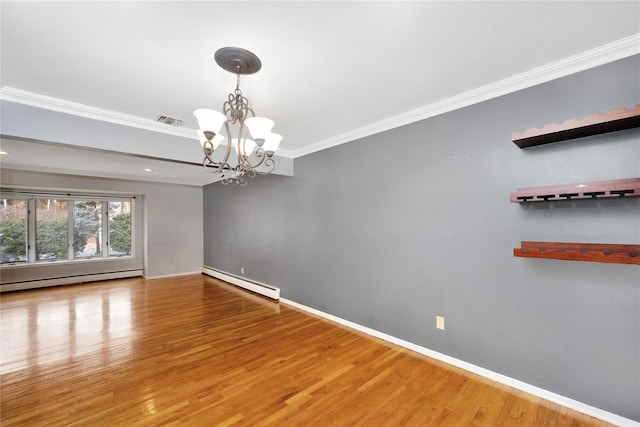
[[119, 228], [87, 229], [52, 232], [13, 231]]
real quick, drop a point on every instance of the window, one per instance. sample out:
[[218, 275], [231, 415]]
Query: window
[[13, 231], [49, 228], [120, 228], [52, 231], [87, 229]]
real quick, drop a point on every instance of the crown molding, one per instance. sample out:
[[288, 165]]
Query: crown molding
[[81, 110], [610, 52]]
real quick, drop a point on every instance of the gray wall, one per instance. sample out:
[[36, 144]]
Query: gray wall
[[396, 228], [172, 216]]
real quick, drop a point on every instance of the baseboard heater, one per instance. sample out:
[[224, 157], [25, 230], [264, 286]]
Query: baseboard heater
[[68, 280], [257, 287]]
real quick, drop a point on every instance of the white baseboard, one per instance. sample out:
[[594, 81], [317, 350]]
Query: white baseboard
[[494, 376], [257, 287], [34, 284]]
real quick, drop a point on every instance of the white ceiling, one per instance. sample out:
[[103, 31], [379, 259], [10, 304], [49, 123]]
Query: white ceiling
[[331, 71]]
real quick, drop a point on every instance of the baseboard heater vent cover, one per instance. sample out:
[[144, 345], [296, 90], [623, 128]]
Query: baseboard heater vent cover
[[257, 287]]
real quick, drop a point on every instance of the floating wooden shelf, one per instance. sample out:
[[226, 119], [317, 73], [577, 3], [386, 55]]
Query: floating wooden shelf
[[616, 188], [592, 252], [595, 124]]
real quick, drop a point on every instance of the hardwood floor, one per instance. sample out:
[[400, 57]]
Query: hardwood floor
[[193, 350]]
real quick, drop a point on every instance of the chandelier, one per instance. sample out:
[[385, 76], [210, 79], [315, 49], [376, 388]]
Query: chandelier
[[253, 142]]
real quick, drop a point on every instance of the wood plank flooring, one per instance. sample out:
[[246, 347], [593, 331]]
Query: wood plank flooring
[[195, 351]]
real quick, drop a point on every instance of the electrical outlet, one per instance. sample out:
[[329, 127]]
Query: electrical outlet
[[241, 270], [440, 322]]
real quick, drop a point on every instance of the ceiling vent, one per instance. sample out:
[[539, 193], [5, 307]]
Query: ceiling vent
[[169, 121]]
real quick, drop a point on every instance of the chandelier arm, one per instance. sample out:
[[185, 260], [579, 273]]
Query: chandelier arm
[[228, 106], [260, 155], [219, 168], [209, 162], [242, 144], [208, 152], [227, 152], [222, 166], [237, 108], [229, 109], [244, 107], [207, 146], [270, 163]]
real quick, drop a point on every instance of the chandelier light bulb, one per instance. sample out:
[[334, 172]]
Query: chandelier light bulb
[[272, 142], [260, 128], [209, 120]]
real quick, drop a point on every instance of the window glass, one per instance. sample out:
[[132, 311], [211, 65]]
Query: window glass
[[119, 228], [87, 229], [13, 231], [44, 228], [52, 232]]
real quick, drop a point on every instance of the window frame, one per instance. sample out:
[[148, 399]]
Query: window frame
[[72, 258]]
